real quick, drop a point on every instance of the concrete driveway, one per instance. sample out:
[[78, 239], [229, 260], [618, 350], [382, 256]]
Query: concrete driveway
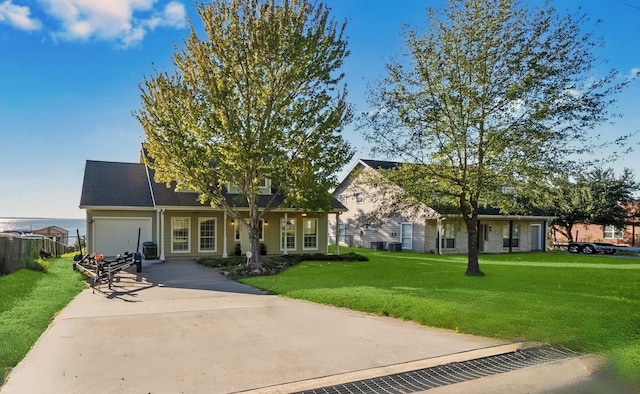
[[181, 327]]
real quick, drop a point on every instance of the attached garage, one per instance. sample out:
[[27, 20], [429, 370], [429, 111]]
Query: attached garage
[[112, 236]]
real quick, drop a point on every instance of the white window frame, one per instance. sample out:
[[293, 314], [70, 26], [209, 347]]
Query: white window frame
[[409, 246], [359, 197], [306, 236], [264, 185], [342, 232], [283, 231], [612, 232], [173, 237], [215, 234]]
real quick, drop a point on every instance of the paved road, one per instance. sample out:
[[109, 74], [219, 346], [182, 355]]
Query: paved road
[[181, 327]]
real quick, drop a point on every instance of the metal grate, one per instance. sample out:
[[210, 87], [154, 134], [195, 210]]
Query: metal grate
[[442, 375]]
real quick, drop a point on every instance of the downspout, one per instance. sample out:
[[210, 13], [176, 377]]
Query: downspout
[[162, 255], [158, 228]]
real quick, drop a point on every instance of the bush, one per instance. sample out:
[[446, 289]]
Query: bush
[[236, 267], [221, 261], [39, 265]]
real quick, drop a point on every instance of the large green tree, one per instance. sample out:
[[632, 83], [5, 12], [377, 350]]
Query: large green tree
[[488, 100], [595, 197], [258, 96]]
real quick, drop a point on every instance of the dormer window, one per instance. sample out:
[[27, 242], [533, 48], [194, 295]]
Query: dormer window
[[264, 187]]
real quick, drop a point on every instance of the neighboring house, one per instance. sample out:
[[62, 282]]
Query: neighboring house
[[125, 208], [59, 234], [431, 232], [628, 235]]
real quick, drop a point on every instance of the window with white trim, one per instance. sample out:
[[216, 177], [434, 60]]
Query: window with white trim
[[310, 234], [448, 236], [342, 232], [180, 235], [264, 185], [207, 234], [288, 234], [359, 197], [613, 232]]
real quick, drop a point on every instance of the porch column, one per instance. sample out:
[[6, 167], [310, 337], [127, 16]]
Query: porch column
[[284, 233], [337, 251], [545, 232], [224, 236], [439, 235], [510, 236]]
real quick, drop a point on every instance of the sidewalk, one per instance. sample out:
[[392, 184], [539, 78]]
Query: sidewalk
[[181, 327]]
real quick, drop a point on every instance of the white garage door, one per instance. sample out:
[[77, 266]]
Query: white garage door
[[112, 236]]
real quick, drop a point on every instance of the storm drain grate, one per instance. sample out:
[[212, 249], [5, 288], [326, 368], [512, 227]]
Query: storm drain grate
[[442, 375]]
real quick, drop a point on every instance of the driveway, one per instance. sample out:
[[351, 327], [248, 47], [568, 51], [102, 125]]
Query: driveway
[[181, 327]]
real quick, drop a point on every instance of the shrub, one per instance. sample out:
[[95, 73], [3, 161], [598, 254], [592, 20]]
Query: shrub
[[221, 261], [236, 267], [39, 265]]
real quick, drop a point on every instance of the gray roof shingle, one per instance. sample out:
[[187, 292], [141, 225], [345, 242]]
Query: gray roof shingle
[[111, 184]]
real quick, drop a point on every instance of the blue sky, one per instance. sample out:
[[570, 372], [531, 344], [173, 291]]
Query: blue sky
[[70, 69]]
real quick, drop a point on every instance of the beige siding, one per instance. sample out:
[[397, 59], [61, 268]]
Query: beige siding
[[271, 234], [361, 232]]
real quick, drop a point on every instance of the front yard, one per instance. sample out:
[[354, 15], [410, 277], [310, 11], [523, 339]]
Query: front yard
[[586, 303], [28, 302]]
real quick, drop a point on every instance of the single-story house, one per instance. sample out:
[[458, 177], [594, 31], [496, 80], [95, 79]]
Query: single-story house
[[128, 211], [433, 232]]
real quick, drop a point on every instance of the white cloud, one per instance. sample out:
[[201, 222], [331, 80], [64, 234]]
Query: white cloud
[[635, 72], [126, 21], [18, 16]]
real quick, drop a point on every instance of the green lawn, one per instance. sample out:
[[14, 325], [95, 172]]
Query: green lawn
[[586, 303], [28, 302]]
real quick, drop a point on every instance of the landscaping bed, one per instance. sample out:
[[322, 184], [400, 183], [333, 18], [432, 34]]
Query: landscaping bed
[[236, 267]]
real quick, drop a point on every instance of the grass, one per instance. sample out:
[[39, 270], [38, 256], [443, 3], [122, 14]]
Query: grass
[[28, 302], [586, 303]]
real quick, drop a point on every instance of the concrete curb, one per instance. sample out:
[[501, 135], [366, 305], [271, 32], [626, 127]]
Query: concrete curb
[[390, 369]]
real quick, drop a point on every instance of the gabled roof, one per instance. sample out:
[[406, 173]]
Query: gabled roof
[[132, 185], [380, 165], [483, 211], [112, 184]]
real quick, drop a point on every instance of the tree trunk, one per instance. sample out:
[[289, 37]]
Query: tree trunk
[[473, 267], [254, 239], [254, 233]]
